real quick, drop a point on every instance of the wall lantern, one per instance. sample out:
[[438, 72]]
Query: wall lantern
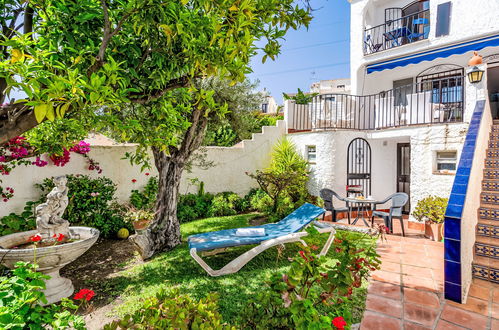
[[475, 75]]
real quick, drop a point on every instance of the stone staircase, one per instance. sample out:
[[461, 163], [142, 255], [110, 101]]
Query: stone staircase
[[486, 254]]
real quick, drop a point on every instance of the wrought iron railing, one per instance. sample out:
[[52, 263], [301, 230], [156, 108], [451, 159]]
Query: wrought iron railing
[[397, 32], [433, 101]]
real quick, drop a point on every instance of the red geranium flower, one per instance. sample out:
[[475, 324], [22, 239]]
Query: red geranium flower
[[339, 323], [35, 238], [147, 173], [84, 294], [133, 180], [59, 237]]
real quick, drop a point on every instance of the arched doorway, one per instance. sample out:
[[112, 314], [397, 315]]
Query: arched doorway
[[359, 165]]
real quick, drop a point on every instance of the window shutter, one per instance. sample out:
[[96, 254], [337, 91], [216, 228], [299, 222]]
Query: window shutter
[[443, 19]]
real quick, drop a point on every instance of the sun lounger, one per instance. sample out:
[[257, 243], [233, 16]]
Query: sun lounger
[[289, 229]]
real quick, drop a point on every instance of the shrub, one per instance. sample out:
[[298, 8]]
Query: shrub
[[431, 208], [20, 303], [194, 206], [226, 203], [91, 204], [285, 181], [146, 198], [295, 299], [14, 223], [171, 310]]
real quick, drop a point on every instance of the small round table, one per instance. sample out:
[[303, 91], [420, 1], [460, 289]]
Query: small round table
[[362, 206]]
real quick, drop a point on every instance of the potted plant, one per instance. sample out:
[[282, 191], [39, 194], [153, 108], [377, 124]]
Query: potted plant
[[431, 210], [140, 219]]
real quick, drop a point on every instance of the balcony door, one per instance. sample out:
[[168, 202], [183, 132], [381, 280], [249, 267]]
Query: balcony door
[[404, 171]]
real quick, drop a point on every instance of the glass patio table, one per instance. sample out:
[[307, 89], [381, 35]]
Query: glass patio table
[[362, 205]]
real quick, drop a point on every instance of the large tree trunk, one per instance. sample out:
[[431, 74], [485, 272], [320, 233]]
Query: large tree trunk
[[164, 233]]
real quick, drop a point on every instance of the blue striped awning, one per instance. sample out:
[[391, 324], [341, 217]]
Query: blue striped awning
[[430, 55]]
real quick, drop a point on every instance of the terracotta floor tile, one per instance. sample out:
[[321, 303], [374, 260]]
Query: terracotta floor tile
[[415, 260], [414, 326], [390, 266], [420, 314], [495, 296], [495, 311], [444, 325], [463, 317], [479, 292], [386, 290], [486, 284], [435, 263], [495, 324], [387, 277], [374, 321], [383, 305], [473, 305], [423, 272], [419, 283], [425, 298]]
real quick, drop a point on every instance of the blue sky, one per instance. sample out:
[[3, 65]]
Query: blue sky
[[321, 52]]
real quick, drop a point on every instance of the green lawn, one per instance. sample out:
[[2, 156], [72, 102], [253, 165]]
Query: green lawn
[[176, 268]]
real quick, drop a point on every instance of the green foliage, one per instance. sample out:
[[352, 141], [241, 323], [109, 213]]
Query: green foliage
[[431, 208], [226, 203], [285, 181], [145, 199], [172, 310], [194, 206], [300, 97], [296, 299], [91, 203], [21, 298], [14, 223]]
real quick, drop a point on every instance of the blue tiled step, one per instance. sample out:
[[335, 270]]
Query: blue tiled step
[[486, 273], [492, 163], [487, 213], [493, 153], [490, 185], [485, 230], [487, 250], [491, 173], [491, 198]]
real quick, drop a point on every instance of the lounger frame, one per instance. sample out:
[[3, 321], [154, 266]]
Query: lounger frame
[[238, 263]]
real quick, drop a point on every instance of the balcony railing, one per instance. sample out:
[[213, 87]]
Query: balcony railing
[[435, 101], [397, 32]]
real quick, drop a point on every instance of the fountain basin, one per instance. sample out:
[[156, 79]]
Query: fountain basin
[[50, 259]]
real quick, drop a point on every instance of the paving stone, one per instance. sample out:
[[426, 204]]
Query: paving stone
[[463, 317], [414, 326], [384, 305], [376, 321], [444, 325], [419, 283], [387, 277], [473, 305], [424, 298], [479, 292], [386, 290], [420, 314]]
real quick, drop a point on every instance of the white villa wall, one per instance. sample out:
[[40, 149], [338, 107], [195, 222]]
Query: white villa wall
[[469, 20], [228, 172]]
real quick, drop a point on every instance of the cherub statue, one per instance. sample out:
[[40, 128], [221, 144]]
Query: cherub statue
[[49, 221]]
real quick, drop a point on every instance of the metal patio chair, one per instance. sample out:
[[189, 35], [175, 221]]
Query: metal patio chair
[[328, 196], [416, 24], [398, 202]]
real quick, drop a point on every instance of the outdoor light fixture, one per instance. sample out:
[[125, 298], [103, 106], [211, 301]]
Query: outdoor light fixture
[[475, 75]]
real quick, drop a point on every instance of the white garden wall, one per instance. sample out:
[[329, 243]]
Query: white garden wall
[[227, 172]]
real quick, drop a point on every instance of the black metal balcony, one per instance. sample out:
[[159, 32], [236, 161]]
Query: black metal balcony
[[397, 32]]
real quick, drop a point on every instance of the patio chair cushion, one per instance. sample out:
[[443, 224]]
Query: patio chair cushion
[[381, 214], [341, 209], [293, 223]]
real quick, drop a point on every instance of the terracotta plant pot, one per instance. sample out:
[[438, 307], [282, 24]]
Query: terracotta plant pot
[[475, 60], [141, 224], [433, 231]]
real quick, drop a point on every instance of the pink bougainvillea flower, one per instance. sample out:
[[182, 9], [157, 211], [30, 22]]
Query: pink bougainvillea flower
[[84, 294], [61, 160], [81, 148], [40, 162], [339, 323], [35, 238], [134, 180]]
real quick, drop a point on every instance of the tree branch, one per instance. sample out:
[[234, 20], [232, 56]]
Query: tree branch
[[148, 96], [28, 19], [15, 119]]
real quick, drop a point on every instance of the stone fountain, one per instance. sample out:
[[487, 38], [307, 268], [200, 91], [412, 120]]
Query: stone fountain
[[50, 254]]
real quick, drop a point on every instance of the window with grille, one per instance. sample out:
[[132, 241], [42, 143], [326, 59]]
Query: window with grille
[[311, 154], [446, 161]]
